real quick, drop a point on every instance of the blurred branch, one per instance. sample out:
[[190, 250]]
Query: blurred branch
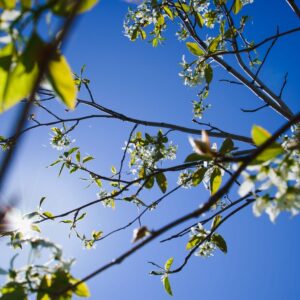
[[294, 7], [45, 58]]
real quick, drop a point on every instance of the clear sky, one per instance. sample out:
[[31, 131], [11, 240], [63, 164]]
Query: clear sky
[[140, 81]]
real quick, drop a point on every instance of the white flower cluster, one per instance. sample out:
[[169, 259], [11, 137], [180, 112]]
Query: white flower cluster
[[6, 17], [147, 154], [206, 248], [279, 180], [103, 194], [138, 19], [182, 33], [59, 139], [184, 179], [192, 76]]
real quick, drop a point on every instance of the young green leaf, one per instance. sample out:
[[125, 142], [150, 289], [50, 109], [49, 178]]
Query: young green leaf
[[198, 176], [48, 214], [41, 202], [149, 183], [259, 135], [215, 180], [227, 146], [26, 4], [214, 44], [167, 285], [208, 73], [162, 181], [194, 241], [237, 6], [6, 55], [36, 228], [78, 156], [199, 19], [87, 158], [195, 49], [62, 81], [81, 217], [22, 79], [8, 4], [218, 240], [168, 11], [81, 289], [64, 8], [169, 263], [216, 221]]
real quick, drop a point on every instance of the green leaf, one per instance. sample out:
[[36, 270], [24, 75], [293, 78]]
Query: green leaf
[[215, 180], [61, 169], [160, 20], [259, 135], [167, 285], [13, 291], [26, 4], [48, 214], [62, 81], [36, 228], [72, 150], [208, 73], [218, 240], [194, 241], [227, 146], [169, 263], [237, 6], [8, 4], [81, 217], [97, 234], [195, 49], [143, 34], [41, 202], [168, 11], [270, 153], [87, 158], [22, 79], [6, 55], [98, 182], [66, 221], [182, 7], [214, 44], [55, 163], [149, 182], [78, 156], [64, 8], [199, 19], [196, 157], [80, 290], [198, 176], [216, 221], [162, 181]]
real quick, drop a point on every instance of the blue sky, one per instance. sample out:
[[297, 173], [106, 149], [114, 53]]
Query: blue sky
[[138, 80]]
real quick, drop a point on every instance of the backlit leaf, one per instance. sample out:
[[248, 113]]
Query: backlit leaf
[[195, 49], [169, 263], [237, 6], [218, 240], [62, 81], [161, 181], [167, 285], [215, 180], [64, 8]]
